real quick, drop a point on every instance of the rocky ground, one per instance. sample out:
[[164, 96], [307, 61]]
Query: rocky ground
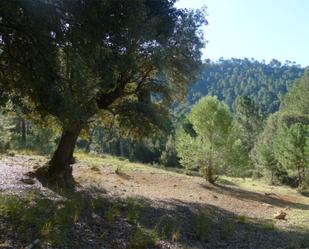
[[120, 205]]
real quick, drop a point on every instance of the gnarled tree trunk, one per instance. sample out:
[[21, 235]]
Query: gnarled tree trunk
[[60, 170]]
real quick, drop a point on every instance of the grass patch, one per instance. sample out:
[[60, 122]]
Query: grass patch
[[226, 230], [47, 219], [142, 239], [167, 227], [116, 163], [269, 225], [242, 219], [133, 210], [112, 214], [202, 225]]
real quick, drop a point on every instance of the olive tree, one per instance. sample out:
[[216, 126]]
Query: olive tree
[[72, 61]]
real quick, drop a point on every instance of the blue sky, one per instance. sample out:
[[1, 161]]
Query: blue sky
[[260, 29]]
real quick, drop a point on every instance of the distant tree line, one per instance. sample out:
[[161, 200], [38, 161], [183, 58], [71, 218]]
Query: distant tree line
[[264, 83], [282, 148]]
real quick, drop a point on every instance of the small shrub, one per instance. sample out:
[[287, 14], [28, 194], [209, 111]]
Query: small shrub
[[167, 227], [269, 225], [11, 207], [226, 230], [142, 239], [46, 229], [133, 210], [67, 215], [44, 217], [202, 226], [31, 196], [112, 213], [242, 219]]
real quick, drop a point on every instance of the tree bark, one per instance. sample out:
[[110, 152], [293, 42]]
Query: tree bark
[[209, 175], [60, 170]]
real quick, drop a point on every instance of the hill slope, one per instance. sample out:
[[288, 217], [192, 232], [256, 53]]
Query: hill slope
[[118, 204], [229, 79]]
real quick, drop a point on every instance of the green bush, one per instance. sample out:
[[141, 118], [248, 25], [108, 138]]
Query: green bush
[[142, 239], [202, 226]]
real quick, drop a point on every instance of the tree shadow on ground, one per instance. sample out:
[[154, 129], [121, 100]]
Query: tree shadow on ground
[[242, 194], [226, 182], [90, 217]]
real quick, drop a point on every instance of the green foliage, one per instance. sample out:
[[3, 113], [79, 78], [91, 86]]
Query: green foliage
[[296, 100], [215, 145], [20, 132], [130, 59], [304, 188], [147, 150], [22, 218], [263, 152], [112, 213], [133, 210], [142, 239], [169, 156], [49, 219], [10, 206], [282, 148], [250, 120], [269, 225], [39, 139], [202, 226], [291, 149], [242, 219], [229, 79], [227, 229], [167, 228], [6, 127]]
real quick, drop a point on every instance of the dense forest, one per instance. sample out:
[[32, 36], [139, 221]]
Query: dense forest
[[229, 79]]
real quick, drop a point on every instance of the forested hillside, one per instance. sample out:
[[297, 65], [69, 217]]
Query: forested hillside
[[229, 79]]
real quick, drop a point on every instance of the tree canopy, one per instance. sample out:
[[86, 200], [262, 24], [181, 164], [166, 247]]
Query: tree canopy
[[230, 79], [212, 144], [73, 60], [250, 120], [296, 100], [282, 147]]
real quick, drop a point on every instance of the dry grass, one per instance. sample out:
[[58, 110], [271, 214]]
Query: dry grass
[[243, 196], [236, 210]]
